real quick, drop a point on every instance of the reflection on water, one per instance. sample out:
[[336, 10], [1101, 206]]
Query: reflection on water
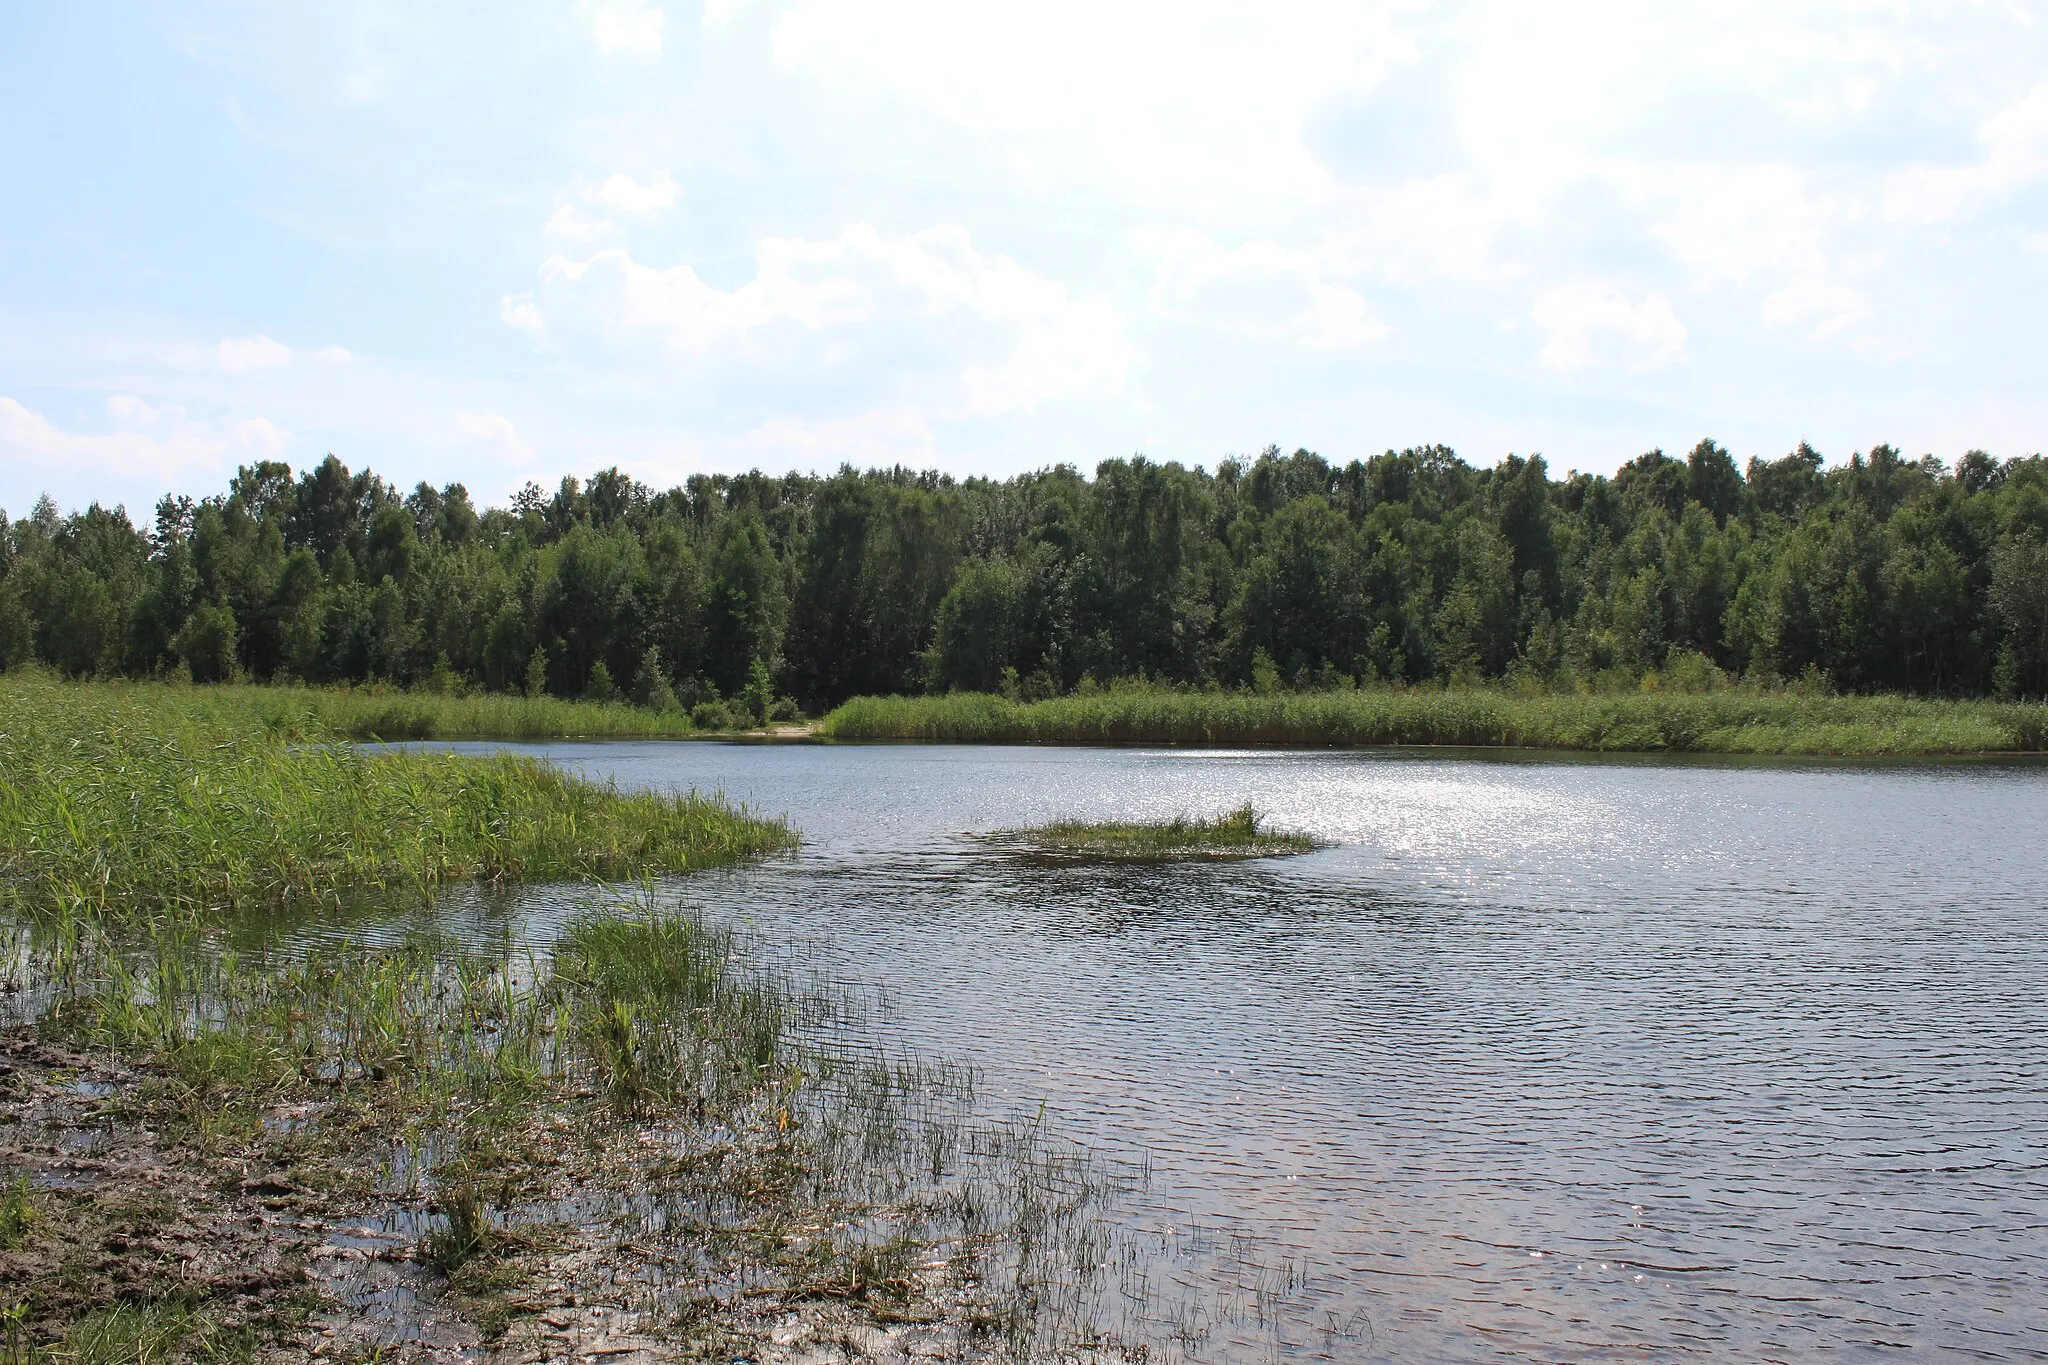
[[1546, 1059]]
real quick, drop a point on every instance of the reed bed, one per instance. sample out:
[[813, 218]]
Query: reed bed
[[1736, 721], [1235, 835], [131, 800], [382, 712]]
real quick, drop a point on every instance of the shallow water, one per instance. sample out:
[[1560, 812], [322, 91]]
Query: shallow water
[[1546, 1059]]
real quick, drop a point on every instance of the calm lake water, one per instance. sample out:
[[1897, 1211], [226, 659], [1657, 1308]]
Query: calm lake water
[[1545, 1059]]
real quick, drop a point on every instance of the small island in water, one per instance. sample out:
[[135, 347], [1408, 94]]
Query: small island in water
[[1235, 835]]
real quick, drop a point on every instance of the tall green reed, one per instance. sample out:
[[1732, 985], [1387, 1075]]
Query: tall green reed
[[1738, 721]]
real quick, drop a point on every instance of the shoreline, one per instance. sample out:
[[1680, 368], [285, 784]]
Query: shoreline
[[1755, 724], [1737, 722]]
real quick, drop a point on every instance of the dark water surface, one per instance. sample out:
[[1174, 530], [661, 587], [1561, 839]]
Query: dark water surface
[[1546, 1059]]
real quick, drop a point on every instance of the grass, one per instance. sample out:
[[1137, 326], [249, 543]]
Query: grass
[[1736, 721], [1234, 835], [379, 711], [147, 800], [17, 1212]]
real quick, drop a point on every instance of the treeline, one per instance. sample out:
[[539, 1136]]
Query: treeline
[[1285, 571]]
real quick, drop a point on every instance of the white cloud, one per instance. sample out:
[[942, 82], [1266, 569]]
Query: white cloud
[[1201, 100], [629, 28], [239, 355], [1050, 344], [886, 436], [2015, 153], [1577, 316], [719, 14], [1259, 289], [1420, 231], [496, 432], [1728, 224], [570, 221], [623, 194], [1822, 305], [158, 440], [520, 312], [620, 193]]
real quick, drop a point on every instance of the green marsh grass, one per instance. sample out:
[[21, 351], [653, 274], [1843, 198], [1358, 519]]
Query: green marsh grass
[[380, 711], [375, 712], [1235, 835], [1734, 721], [131, 800]]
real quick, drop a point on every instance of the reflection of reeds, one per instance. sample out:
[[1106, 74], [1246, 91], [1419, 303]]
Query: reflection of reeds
[[1236, 834], [1737, 721]]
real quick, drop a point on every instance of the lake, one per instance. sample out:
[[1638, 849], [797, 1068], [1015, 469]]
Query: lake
[[1546, 1058]]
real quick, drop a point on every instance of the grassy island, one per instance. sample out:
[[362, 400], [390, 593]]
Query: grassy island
[[1230, 837], [1735, 721]]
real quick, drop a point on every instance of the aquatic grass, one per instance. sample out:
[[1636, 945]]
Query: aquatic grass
[[1732, 721], [17, 1211], [665, 1011], [1236, 834], [126, 801], [732, 1127], [141, 1334]]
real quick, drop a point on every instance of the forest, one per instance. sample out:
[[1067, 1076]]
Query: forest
[[1278, 572]]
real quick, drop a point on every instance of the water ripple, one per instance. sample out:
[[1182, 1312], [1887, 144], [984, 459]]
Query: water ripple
[[1545, 1059]]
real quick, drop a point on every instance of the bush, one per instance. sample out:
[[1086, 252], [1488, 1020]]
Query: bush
[[717, 715]]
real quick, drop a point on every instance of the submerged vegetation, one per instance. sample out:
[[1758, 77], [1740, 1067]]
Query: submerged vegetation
[[1734, 721], [1234, 835], [130, 801]]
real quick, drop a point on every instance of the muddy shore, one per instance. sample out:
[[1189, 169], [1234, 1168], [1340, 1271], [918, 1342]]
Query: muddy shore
[[124, 1240]]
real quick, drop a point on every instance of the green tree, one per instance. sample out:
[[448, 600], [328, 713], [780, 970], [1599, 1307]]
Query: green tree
[[2019, 594], [206, 644], [976, 638], [746, 606]]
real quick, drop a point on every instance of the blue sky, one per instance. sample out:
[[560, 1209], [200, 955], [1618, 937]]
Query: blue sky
[[494, 242]]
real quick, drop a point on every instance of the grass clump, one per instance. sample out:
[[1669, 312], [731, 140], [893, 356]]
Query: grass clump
[[1733, 721], [129, 800], [17, 1211], [1234, 835]]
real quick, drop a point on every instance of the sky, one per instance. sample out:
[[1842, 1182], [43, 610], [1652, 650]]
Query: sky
[[500, 242]]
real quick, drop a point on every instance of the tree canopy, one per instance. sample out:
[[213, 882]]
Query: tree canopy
[[1881, 573]]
